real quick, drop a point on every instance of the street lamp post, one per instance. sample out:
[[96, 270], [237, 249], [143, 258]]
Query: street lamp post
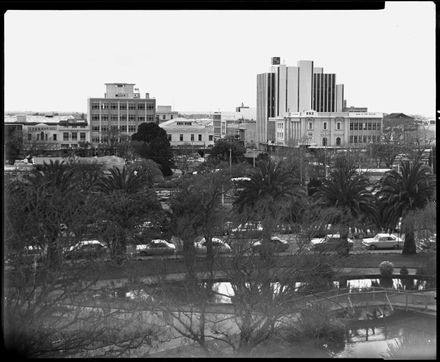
[[230, 161]]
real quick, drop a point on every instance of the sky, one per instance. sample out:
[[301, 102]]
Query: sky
[[208, 61]]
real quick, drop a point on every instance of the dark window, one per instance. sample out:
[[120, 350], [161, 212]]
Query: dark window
[[95, 118], [95, 105], [181, 137], [351, 139], [192, 137], [122, 106], [104, 118], [104, 105], [211, 137], [123, 128], [74, 136], [200, 137], [141, 119], [150, 118], [324, 141], [54, 137], [82, 136], [65, 136], [123, 117], [114, 106], [141, 106], [131, 106], [338, 141], [369, 126], [169, 137], [131, 117], [351, 126], [95, 128], [114, 118]]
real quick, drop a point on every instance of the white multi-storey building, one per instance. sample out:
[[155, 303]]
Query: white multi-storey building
[[184, 131], [287, 89], [328, 129], [117, 116]]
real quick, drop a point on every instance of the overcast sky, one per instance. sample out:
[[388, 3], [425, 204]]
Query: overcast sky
[[209, 60]]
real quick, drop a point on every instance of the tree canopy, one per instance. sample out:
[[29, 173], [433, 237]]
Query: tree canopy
[[151, 142], [226, 147]]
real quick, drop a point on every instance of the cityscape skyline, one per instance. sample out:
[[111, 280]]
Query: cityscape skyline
[[207, 61]]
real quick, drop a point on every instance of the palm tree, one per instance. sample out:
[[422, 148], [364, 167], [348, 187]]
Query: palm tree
[[127, 201], [267, 196], [127, 180], [346, 193], [50, 199], [402, 193]]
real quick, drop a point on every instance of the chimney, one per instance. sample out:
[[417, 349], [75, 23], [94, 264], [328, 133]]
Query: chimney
[[147, 95]]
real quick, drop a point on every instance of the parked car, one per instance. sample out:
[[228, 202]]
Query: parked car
[[331, 242], [276, 244], [359, 233], [383, 241], [250, 230], [429, 243], [218, 245], [156, 247], [86, 249]]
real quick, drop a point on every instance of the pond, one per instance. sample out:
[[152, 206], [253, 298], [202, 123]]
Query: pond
[[403, 335]]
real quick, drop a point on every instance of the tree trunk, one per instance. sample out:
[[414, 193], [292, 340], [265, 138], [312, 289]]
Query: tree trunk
[[53, 254], [345, 249], [189, 256], [409, 246]]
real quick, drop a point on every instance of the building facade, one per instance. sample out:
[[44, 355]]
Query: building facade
[[194, 132], [265, 106], [117, 116], [328, 129], [227, 123], [293, 89], [165, 113], [64, 134]]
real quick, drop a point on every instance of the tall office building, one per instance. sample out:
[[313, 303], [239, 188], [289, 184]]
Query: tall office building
[[340, 101], [117, 116], [288, 89], [324, 92], [265, 105]]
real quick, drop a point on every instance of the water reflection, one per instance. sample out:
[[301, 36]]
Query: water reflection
[[389, 337]]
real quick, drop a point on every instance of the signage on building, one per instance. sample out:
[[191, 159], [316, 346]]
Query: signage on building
[[276, 61]]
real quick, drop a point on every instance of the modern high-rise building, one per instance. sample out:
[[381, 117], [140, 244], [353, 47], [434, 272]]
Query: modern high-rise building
[[117, 116], [287, 89], [265, 105]]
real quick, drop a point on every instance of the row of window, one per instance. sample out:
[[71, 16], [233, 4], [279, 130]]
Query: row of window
[[123, 118], [325, 125], [122, 106], [45, 137], [364, 139], [359, 126], [124, 128], [191, 137]]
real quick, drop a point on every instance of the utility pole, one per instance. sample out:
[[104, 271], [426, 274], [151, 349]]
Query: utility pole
[[230, 160]]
